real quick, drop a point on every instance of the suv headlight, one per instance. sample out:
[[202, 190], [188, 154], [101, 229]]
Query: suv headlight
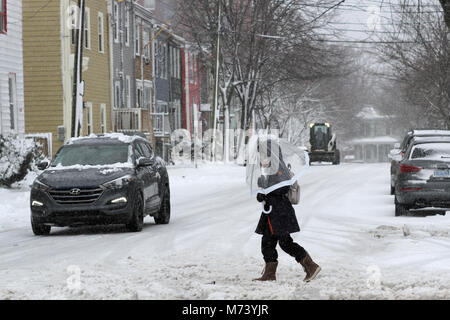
[[39, 185], [119, 182]]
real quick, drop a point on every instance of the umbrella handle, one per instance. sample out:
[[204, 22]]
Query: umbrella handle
[[268, 211]]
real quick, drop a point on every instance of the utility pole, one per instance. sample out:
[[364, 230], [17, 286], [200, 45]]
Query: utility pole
[[78, 84], [216, 81]]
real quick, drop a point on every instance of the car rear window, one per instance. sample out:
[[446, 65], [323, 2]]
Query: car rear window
[[431, 151]]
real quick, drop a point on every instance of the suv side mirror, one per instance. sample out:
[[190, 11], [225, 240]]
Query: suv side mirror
[[144, 162], [42, 165]]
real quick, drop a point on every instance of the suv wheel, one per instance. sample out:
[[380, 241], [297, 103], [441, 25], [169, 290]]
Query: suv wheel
[[40, 229], [400, 209], [137, 219], [164, 213]]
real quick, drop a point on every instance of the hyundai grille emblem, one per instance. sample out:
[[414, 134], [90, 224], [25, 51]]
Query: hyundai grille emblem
[[75, 191]]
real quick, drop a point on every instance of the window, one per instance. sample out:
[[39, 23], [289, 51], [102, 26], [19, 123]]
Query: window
[[178, 65], [87, 28], [89, 117], [146, 149], [127, 28], [173, 62], [149, 4], [166, 61], [146, 40], [139, 95], [191, 67], [100, 33], [137, 35], [116, 22], [157, 59], [91, 154], [73, 22], [142, 149], [195, 69], [117, 95], [12, 100], [3, 28], [161, 56], [128, 93], [103, 118], [147, 96]]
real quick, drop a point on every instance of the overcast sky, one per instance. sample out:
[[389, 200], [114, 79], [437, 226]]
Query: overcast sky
[[365, 19]]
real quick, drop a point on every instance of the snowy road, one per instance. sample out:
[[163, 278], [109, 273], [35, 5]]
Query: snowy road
[[209, 250]]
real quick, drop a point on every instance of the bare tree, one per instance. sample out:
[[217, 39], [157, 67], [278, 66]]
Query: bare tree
[[419, 56], [263, 43], [446, 6]]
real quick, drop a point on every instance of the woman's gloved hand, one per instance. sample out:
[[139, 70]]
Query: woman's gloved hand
[[261, 197]]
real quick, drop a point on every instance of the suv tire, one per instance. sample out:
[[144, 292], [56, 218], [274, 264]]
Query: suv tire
[[400, 209], [40, 229], [137, 219], [164, 213]]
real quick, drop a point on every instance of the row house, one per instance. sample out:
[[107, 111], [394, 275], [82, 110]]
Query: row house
[[132, 51], [49, 44], [11, 68], [175, 82], [162, 66], [191, 92], [138, 74]]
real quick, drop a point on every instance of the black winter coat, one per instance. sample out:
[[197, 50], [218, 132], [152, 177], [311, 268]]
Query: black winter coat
[[282, 219]]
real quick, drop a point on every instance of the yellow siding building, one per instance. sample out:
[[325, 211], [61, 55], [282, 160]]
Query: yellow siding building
[[49, 47]]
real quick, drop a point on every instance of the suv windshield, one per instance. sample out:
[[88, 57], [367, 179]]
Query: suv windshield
[[93, 154]]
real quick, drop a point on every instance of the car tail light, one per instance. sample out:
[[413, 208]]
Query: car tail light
[[407, 169], [411, 189]]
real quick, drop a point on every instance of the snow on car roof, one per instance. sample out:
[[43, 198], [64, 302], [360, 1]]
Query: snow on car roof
[[116, 136], [444, 139], [430, 132]]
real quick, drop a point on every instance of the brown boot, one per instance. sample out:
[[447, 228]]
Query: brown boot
[[310, 267], [268, 273]]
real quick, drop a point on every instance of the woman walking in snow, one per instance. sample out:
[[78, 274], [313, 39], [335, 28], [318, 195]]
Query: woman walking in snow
[[277, 222]]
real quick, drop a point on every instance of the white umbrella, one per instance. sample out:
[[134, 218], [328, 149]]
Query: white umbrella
[[274, 163]]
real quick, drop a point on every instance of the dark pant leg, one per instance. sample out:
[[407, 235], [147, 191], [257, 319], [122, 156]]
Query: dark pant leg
[[290, 247], [268, 245]]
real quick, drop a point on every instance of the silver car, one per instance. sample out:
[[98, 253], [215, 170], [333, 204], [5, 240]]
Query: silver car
[[397, 154], [423, 180]]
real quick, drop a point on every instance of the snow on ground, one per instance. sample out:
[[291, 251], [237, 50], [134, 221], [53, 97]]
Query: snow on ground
[[210, 251]]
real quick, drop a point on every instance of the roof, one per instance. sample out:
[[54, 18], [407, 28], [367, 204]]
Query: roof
[[375, 140], [370, 113]]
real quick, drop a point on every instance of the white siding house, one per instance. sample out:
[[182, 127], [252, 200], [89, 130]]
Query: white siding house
[[11, 68], [375, 138]]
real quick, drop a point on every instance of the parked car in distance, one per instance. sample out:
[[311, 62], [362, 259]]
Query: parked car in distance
[[396, 154], [98, 180], [424, 176]]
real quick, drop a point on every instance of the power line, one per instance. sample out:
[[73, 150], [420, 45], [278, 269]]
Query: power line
[[362, 41]]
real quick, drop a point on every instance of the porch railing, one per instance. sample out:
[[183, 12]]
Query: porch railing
[[129, 119]]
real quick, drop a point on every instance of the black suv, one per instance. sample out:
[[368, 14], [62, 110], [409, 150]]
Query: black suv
[[106, 179]]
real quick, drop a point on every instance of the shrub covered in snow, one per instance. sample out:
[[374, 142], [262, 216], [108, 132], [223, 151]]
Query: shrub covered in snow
[[17, 157]]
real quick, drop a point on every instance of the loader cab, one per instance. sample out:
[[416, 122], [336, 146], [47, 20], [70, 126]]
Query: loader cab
[[320, 136]]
